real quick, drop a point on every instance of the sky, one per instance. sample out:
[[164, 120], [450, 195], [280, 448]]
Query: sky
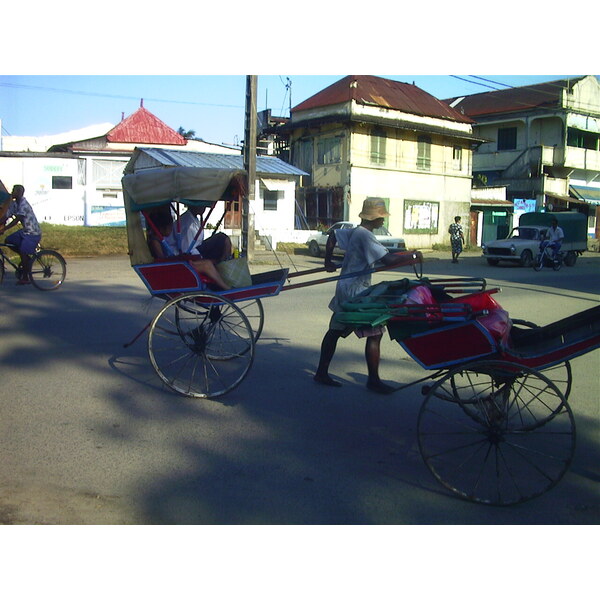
[[213, 106], [65, 70]]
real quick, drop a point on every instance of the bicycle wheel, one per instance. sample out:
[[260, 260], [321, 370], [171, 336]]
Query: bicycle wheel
[[201, 346], [48, 270], [538, 265], [514, 442]]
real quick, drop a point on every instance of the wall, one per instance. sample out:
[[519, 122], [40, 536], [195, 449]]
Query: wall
[[51, 205]]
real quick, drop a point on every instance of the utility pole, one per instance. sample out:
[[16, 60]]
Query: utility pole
[[250, 166]]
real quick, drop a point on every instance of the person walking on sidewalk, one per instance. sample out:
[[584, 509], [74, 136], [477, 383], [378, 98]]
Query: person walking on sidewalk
[[457, 238], [363, 250]]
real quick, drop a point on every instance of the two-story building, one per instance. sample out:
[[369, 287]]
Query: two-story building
[[366, 136], [542, 144]]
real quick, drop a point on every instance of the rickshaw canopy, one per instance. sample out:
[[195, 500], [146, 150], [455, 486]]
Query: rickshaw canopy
[[192, 186]]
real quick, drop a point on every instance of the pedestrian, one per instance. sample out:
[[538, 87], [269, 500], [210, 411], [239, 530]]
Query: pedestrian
[[457, 239], [363, 250], [26, 239]]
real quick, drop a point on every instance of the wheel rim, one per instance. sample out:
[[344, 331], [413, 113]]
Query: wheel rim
[[493, 441], [560, 374], [201, 350], [48, 270]]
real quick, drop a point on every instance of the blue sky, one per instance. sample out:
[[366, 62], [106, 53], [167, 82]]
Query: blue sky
[[67, 69], [211, 105]]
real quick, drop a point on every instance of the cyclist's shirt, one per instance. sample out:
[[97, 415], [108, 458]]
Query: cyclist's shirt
[[22, 209], [554, 235]]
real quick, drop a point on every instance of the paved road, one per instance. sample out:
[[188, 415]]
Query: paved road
[[89, 435]]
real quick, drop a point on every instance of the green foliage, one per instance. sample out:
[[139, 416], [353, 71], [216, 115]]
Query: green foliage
[[83, 241]]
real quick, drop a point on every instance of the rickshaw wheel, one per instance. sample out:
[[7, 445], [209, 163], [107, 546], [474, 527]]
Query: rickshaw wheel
[[493, 438], [251, 309], [201, 345], [560, 374]]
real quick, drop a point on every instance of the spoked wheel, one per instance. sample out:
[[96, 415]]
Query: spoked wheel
[[538, 265], [48, 270], [254, 312], [496, 436], [560, 374], [201, 346]]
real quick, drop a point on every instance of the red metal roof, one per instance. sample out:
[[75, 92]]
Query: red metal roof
[[377, 91], [540, 95], [142, 127]]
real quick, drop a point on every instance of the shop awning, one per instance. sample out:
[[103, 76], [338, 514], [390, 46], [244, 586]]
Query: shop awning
[[565, 198], [589, 194], [491, 202]]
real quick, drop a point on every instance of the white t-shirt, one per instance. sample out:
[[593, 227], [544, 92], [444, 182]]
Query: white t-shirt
[[190, 224], [362, 252], [554, 235]]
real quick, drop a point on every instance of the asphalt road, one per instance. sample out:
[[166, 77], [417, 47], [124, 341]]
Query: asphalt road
[[88, 435]]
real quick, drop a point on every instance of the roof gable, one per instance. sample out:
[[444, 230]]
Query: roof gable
[[539, 95], [388, 93], [142, 127]]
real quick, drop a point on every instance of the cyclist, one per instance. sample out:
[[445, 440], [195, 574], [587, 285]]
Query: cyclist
[[25, 240], [553, 238]]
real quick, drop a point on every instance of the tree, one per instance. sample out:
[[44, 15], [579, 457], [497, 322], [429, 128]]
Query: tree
[[188, 135]]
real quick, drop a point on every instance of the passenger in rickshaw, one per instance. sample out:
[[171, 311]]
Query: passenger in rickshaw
[[214, 250]]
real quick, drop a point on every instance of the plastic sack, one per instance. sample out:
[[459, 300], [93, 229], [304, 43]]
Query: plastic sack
[[235, 272]]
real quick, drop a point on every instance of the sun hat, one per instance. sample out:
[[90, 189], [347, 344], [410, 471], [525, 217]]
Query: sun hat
[[373, 208]]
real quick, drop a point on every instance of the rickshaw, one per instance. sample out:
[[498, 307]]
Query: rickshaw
[[495, 426]]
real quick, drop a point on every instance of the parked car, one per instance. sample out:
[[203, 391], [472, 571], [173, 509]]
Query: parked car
[[316, 242], [523, 243]]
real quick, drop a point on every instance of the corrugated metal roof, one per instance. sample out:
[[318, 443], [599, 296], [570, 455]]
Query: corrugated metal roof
[[540, 95], [265, 165], [142, 127], [388, 93]]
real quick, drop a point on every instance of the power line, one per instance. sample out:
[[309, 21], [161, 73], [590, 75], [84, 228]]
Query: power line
[[113, 96]]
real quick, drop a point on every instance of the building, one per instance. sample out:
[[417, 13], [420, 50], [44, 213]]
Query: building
[[275, 190], [77, 180], [367, 136], [542, 144]]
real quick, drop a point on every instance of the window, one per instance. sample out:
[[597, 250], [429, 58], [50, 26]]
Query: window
[[303, 155], [457, 158], [424, 153], [62, 182], [378, 139], [328, 151], [270, 199], [582, 139], [507, 138]]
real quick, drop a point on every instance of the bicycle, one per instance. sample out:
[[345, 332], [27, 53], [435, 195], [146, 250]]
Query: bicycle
[[546, 257], [47, 271]]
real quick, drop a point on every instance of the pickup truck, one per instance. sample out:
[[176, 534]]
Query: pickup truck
[[523, 242]]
